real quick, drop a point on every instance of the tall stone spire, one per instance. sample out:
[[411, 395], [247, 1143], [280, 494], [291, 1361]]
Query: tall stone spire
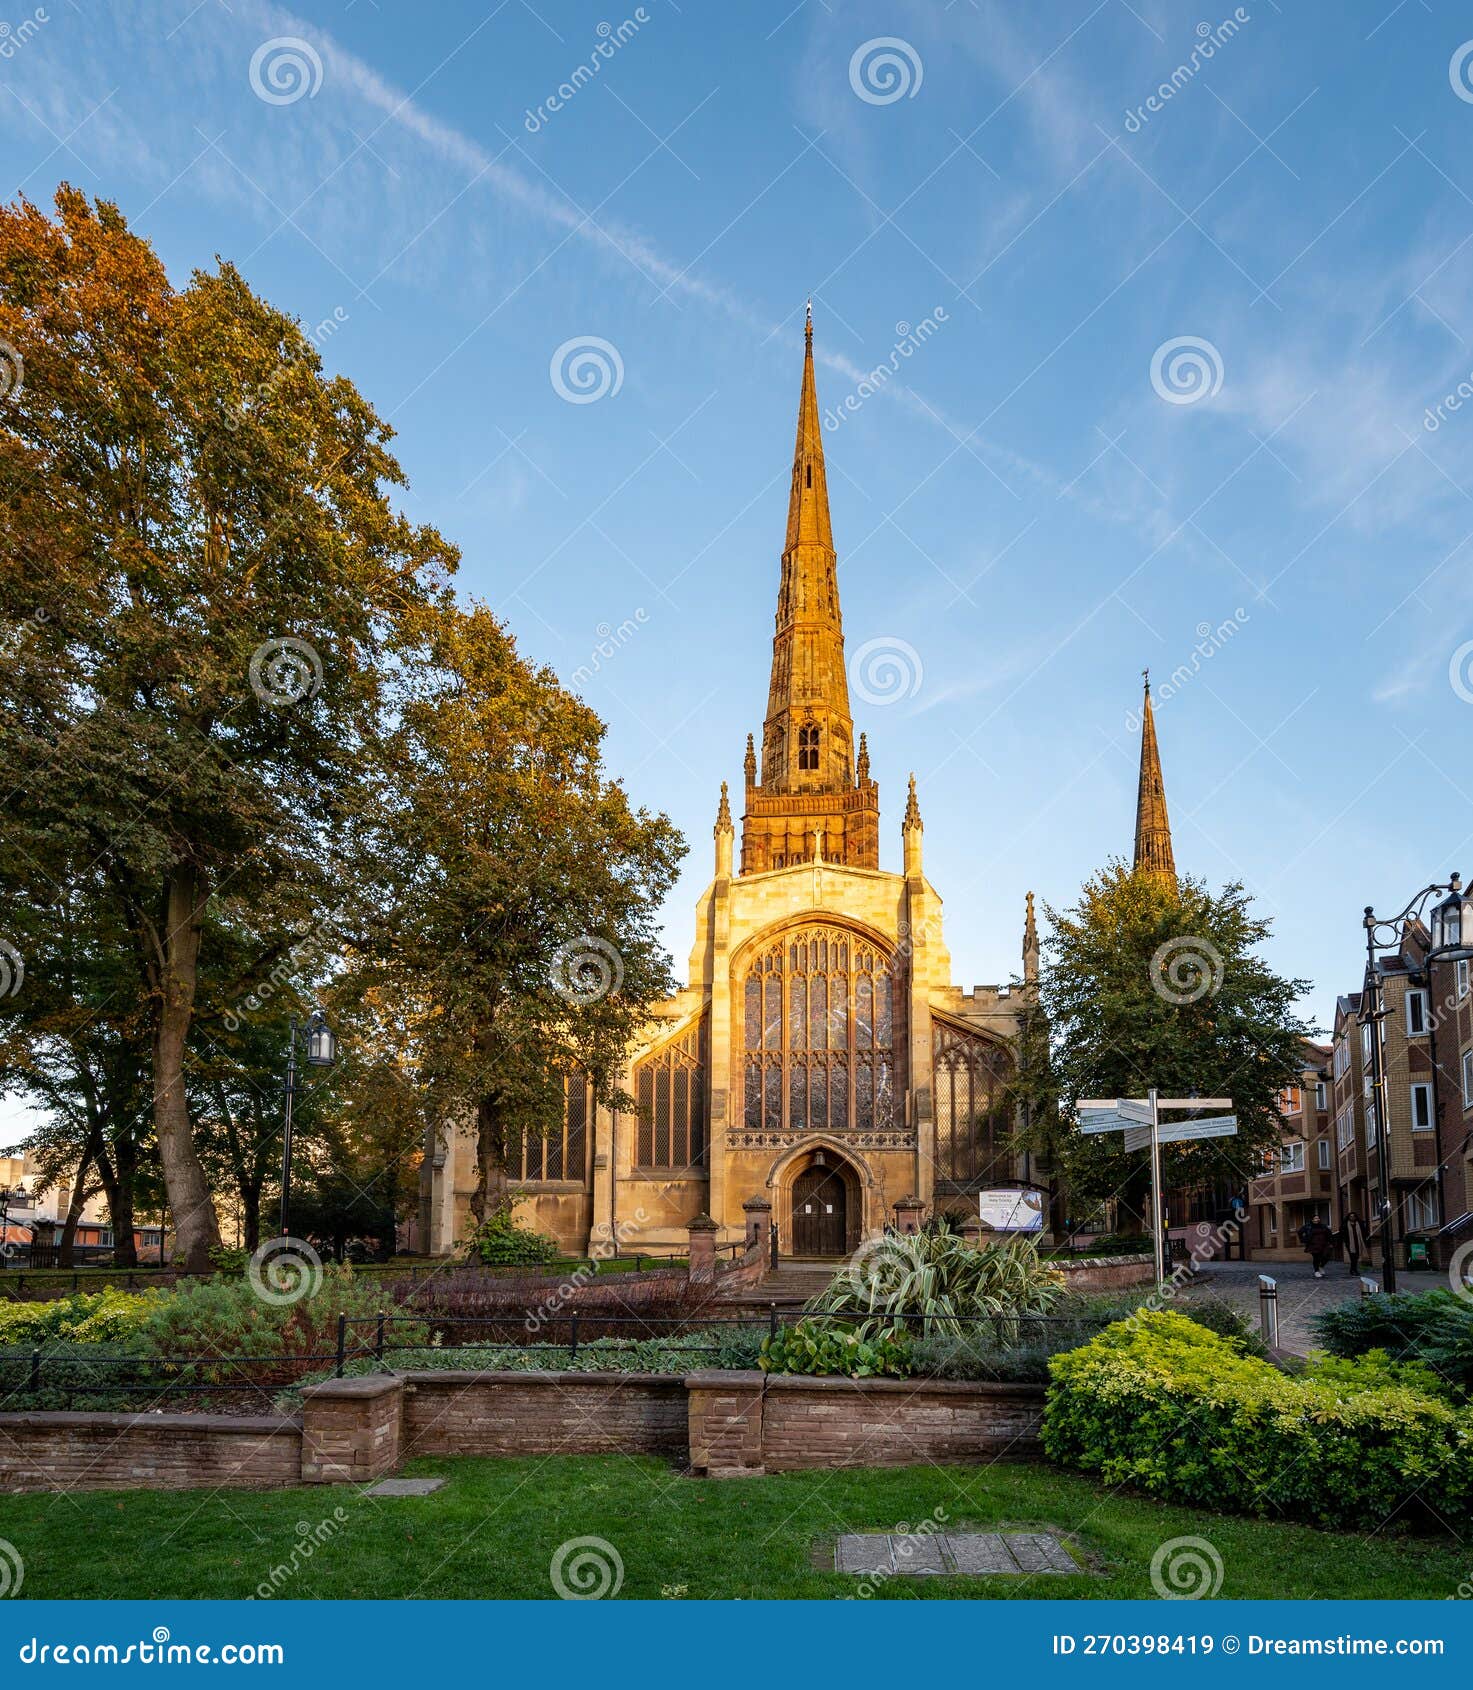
[[808, 774], [1152, 825], [1030, 943]]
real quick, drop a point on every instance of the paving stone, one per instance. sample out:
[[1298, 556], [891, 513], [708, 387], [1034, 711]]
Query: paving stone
[[970, 1554], [1040, 1552], [404, 1487], [978, 1553], [868, 1555]]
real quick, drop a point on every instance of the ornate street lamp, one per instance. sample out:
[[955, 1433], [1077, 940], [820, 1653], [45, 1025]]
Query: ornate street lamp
[[321, 1047], [1450, 927]]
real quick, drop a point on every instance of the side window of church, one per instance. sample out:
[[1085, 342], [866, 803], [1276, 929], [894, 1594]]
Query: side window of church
[[669, 1093], [970, 1077], [818, 1053], [808, 747], [563, 1153]]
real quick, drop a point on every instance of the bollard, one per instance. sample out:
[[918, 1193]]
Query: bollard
[[1369, 1287], [1268, 1310]]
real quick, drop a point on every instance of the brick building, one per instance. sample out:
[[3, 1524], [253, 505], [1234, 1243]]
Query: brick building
[[1299, 1183]]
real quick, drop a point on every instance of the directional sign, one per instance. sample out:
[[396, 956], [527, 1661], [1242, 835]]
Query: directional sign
[[1133, 1109], [1100, 1121], [1212, 1126], [1137, 1138], [1194, 1103]]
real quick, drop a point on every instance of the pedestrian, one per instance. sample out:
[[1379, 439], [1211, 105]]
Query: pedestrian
[[1318, 1240], [1353, 1237]]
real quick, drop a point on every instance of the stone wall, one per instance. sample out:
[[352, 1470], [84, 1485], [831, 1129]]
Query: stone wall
[[1107, 1273], [754, 1422], [67, 1452], [351, 1429], [544, 1414]]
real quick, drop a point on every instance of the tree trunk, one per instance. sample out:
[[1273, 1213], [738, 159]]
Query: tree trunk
[[491, 1184], [67, 1257], [250, 1212], [196, 1226], [120, 1201]]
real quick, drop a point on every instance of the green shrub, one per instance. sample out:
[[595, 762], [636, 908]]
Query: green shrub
[[89, 1317], [1375, 1370], [79, 1376], [1433, 1327], [500, 1242], [820, 1347], [1161, 1403], [939, 1283], [948, 1356]]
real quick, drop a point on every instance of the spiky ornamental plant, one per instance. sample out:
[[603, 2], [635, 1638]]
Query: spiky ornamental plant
[[937, 1283]]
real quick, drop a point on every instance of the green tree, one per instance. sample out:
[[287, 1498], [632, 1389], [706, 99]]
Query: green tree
[[519, 891], [205, 585], [1147, 982]]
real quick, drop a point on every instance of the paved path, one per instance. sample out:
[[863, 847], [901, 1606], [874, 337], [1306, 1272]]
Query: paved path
[[1300, 1294]]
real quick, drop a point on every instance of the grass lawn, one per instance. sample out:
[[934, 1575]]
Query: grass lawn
[[492, 1532]]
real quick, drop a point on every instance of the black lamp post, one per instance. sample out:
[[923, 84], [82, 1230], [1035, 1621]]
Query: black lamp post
[[1451, 918], [320, 1045]]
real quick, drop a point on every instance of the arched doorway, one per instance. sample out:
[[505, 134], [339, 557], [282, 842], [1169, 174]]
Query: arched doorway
[[820, 1212]]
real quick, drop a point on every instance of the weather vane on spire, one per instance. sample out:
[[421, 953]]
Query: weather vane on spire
[[808, 322]]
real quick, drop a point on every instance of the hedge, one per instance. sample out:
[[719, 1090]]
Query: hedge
[[1186, 1415]]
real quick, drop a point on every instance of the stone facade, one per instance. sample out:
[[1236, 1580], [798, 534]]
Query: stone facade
[[821, 1056]]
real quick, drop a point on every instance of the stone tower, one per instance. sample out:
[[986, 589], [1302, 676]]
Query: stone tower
[[815, 797], [1152, 825]]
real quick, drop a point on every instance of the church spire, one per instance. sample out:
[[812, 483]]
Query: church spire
[[1030, 943], [808, 766], [1152, 825]]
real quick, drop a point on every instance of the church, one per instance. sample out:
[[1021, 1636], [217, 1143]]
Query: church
[[820, 1058]]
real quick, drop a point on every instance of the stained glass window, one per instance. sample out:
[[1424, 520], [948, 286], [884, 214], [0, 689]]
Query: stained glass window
[[670, 1098], [972, 1116]]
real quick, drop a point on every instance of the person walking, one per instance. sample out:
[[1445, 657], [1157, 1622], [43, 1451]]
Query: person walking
[[1318, 1240], [1353, 1237]]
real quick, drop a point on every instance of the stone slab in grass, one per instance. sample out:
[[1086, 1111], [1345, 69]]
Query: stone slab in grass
[[404, 1487], [968, 1554]]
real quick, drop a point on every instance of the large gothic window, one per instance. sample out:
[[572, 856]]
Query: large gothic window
[[970, 1077], [818, 1040], [562, 1153], [670, 1092], [808, 747]]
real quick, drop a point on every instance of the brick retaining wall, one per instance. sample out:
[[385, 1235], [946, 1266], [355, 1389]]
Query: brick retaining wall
[[1107, 1273], [63, 1452], [356, 1430]]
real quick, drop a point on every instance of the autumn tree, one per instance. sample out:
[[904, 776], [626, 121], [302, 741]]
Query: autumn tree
[[518, 890], [202, 583], [1150, 982]]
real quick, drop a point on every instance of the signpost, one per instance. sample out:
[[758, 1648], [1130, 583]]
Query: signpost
[[1139, 1121]]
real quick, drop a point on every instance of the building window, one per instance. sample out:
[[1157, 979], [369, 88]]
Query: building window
[[1321, 1095], [1324, 1153], [1421, 1209], [1422, 1107], [1291, 1157], [670, 1095], [563, 1152], [1289, 1100], [1345, 1126], [817, 1012], [1342, 1057], [1463, 978], [808, 747], [1468, 1079], [972, 1116], [1365, 1042], [1416, 1013]]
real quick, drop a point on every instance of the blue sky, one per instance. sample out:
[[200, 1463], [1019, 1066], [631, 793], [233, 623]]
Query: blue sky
[[1024, 517]]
